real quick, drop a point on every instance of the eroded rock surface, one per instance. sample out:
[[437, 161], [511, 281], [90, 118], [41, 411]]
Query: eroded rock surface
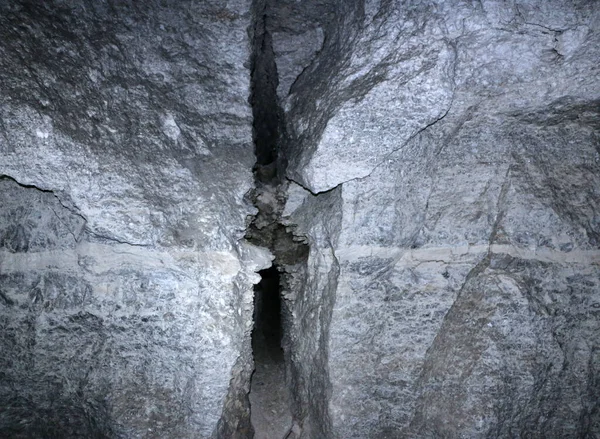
[[453, 283], [126, 151], [439, 244]]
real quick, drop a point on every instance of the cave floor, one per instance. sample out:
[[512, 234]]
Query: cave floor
[[269, 396]]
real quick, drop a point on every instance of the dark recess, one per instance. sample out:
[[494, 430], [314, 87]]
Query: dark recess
[[267, 115], [270, 351], [267, 312]]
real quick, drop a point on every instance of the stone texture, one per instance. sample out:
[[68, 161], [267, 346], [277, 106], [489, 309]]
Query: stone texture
[[443, 167], [453, 281], [126, 151]]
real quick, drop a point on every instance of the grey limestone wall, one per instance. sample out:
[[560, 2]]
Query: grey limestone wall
[[445, 160], [125, 154]]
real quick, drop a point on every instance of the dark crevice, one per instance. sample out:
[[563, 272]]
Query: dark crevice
[[267, 306], [270, 397], [267, 115]]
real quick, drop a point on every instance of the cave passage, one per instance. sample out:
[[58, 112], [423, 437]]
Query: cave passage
[[267, 312], [269, 399], [270, 412]]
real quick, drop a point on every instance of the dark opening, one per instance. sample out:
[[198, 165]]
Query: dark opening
[[264, 100], [269, 400], [266, 336], [268, 123], [270, 411]]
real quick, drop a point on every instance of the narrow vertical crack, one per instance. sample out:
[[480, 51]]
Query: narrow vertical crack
[[266, 112], [270, 398]]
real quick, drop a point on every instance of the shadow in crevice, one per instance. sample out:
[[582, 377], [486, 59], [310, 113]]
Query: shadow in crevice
[[270, 411], [269, 398], [266, 337]]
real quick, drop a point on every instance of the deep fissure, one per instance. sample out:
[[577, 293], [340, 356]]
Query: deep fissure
[[267, 310], [270, 398]]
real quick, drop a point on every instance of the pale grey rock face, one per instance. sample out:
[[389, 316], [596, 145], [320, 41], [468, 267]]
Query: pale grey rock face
[[453, 283], [125, 154], [297, 31], [443, 166]]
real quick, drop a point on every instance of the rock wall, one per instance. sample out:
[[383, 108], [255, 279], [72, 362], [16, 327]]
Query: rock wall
[[125, 155], [442, 163], [445, 159]]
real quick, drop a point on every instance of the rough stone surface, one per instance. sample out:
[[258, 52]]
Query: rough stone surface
[[453, 283], [125, 154], [439, 243]]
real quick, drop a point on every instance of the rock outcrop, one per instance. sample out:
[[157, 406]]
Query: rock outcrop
[[446, 168], [125, 154]]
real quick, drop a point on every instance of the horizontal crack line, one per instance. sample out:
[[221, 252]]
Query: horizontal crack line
[[98, 258], [443, 254]]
